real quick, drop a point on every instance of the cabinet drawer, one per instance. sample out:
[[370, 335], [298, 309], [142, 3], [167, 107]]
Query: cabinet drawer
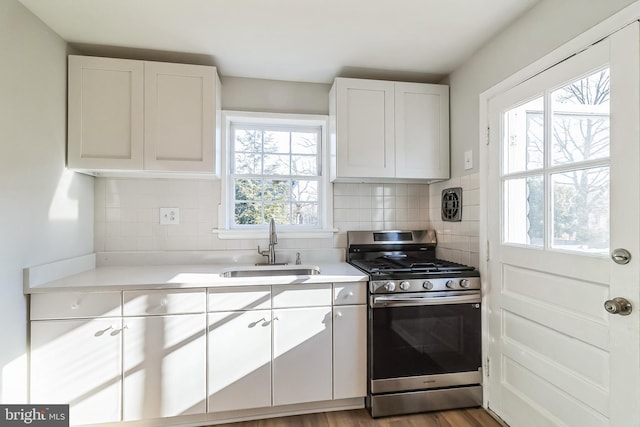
[[301, 295], [69, 305], [145, 303], [240, 298], [349, 293]]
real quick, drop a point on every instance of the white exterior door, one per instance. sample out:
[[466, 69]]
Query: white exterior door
[[563, 193]]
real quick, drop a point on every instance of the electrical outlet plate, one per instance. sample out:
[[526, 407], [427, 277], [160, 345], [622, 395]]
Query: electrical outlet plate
[[169, 216]]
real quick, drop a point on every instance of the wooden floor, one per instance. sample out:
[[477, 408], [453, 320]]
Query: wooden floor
[[472, 417]]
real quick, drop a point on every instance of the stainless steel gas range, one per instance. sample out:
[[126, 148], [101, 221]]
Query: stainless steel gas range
[[424, 332]]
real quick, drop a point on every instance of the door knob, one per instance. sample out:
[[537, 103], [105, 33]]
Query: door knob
[[621, 256], [618, 305]]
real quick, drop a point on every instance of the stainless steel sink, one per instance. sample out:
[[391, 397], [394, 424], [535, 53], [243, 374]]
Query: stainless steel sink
[[272, 270]]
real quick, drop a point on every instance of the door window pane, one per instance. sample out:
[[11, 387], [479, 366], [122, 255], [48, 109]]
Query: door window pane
[[581, 210], [581, 120], [524, 210], [523, 137]]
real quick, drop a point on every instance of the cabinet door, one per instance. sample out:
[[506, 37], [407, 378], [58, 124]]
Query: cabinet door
[[422, 131], [349, 351], [179, 117], [105, 113], [239, 360], [164, 366], [301, 355], [364, 129], [78, 362]]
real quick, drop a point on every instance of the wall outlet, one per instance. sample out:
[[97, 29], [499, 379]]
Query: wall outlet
[[468, 160], [169, 216]]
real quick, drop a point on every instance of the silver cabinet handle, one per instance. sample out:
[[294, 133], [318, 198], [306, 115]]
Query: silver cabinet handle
[[618, 305]]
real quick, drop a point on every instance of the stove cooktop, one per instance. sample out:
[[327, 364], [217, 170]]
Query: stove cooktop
[[401, 255]]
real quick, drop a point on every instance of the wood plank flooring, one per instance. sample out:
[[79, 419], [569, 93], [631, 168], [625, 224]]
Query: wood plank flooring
[[471, 417]]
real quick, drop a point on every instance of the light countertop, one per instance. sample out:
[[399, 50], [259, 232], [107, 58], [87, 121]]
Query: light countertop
[[134, 277]]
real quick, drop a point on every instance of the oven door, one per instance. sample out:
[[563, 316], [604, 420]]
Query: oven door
[[424, 340]]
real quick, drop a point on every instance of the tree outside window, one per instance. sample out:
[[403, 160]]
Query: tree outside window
[[275, 173]]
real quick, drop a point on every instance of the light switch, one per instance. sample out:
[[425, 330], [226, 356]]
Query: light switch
[[468, 160]]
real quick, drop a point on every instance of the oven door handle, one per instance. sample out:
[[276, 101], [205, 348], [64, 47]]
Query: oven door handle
[[405, 301]]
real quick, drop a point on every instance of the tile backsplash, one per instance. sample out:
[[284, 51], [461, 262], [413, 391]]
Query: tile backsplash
[[127, 215], [458, 241], [379, 207]]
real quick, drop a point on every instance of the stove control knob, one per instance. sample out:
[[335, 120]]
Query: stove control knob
[[464, 283], [451, 284], [405, 286], [427, 285], [390, 286]]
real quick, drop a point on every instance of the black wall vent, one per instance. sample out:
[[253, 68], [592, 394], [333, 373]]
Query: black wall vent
[[452, 204]]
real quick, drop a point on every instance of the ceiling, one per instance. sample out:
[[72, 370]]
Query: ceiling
[[295, 40]]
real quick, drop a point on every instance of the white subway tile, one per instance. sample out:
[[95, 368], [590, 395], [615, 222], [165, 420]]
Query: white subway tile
[[389, 203], [402, 189]]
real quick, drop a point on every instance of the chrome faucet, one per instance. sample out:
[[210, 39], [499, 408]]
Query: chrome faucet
[[273, 241]]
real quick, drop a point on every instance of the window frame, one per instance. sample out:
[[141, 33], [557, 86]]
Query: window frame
[[226, 228], [519, 96]]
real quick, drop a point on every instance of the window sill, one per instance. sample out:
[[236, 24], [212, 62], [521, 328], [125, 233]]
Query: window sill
[[285, 234]]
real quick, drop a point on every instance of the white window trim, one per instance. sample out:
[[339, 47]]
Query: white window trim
[[224, 230]]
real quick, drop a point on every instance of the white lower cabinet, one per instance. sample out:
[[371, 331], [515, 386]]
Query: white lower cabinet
[[349, 351], [78, 362], [76, 354], [144, 355], [239, 360], [164, 366], [301, 355], [164, 353]]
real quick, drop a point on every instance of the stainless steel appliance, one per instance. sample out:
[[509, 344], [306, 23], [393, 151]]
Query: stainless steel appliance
[[424, 332]]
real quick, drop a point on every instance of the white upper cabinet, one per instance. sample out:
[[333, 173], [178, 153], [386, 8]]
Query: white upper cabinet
[[179, 117], [422, 131], [364, 120], [127, 115], [106, 111], [388, 131]]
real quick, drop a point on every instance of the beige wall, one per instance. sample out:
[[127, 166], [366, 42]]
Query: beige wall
[[274, 96], [45, 214], [547, 26]]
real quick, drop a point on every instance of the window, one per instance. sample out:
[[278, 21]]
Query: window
[[555, 167], [275, 169]]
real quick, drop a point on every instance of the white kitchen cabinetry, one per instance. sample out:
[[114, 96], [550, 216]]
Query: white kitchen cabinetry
[[76, 354], [301, 355], [151, 354], [106, 113], [349, 351], [180, 117], [388, 131], [363, 113], [422, 131], [302, 343], [349, 340], [127, 115], [164, 354], [239, 343]]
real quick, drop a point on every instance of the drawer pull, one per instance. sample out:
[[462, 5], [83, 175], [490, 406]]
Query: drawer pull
[[76, 304], [253, 324], [102, 332]]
